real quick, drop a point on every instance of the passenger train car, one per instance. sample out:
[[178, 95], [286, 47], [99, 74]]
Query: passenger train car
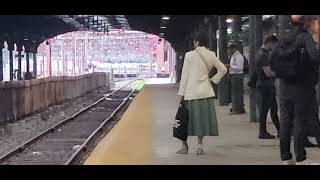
[[123, 70]]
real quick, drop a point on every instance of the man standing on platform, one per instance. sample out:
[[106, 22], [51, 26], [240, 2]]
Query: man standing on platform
[[295, 62], [236, 68], [266, 94]]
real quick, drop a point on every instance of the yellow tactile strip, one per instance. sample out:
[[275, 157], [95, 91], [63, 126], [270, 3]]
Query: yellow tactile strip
[[129, 142]]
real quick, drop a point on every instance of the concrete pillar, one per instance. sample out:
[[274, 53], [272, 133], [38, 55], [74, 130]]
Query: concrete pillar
[[224, 85], [1, 60], [252, 96]]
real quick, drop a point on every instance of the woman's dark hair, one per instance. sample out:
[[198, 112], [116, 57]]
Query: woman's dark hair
[[202, 38], [270, 39]]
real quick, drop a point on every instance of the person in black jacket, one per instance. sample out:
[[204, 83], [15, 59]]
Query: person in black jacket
[[297, 94], [266, 94]]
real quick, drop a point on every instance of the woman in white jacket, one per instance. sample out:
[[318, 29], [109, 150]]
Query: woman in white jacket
[[197, 91]]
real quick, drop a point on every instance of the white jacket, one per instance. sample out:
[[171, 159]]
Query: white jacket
[[195, 83]]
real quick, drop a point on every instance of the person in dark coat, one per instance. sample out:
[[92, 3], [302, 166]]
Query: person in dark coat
[[297, 94], [266, 93]]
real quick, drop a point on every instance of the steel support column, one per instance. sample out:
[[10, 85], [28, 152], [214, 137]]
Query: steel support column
[[236, 27], [49, 60], [10, 49], [28, 61], [19, 77], [224, 85], [1, 60], [34, 55], [212, 36], [252, 93], [283, 24], [258, 32]]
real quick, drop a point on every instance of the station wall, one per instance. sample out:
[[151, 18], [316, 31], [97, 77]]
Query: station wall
[[20, 98]]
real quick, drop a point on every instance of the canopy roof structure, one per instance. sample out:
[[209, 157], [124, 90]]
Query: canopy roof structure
[[35, 29]]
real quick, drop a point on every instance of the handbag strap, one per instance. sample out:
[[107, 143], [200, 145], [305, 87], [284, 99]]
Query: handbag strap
[[202, 59]]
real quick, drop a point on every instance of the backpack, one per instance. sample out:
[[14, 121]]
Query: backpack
[[286, 59], [246, 65]]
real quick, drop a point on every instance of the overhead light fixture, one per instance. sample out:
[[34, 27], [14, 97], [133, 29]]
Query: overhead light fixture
[[165, 17], [229, 30], [229, 20], [163, 27], [25, 39]]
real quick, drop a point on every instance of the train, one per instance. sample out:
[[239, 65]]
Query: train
[[123, 70]]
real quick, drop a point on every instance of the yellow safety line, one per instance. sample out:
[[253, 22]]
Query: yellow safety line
[[129, 142]]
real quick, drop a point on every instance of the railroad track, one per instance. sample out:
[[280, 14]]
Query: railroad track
[[70, 140]]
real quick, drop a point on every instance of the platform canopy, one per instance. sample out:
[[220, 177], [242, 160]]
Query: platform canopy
[[35, 29]]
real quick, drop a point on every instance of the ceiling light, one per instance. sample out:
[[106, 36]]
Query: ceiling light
[[165, 17], [229, 30], [163, 27], [229, 20]]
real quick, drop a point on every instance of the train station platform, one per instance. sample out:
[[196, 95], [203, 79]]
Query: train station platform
[[144, 136]]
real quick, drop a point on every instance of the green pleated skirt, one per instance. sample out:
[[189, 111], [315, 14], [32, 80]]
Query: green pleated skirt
[[202, 117]]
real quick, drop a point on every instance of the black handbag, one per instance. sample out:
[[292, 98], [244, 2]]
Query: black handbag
[[180, 128]]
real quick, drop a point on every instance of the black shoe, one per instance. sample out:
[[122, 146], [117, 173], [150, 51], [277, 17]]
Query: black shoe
[[266, 135], [309, 144], [238, 112]]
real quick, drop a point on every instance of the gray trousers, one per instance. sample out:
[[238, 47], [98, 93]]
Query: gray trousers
[[237, 91]]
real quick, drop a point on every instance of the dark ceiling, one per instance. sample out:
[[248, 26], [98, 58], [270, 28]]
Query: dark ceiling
[[35, 29], [38, 28], [178, 27]]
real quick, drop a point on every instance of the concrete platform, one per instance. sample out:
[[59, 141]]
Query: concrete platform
[[144, 136]]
